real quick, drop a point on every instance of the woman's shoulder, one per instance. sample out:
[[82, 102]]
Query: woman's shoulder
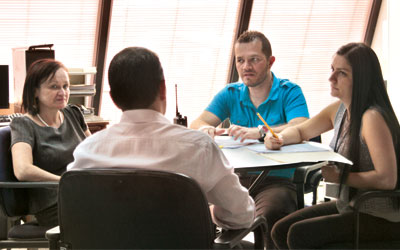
[[372, 114], [21, 121], [335, 106], [373, 123], [73, 110], [23, 129], [74, 114], [332, 111]]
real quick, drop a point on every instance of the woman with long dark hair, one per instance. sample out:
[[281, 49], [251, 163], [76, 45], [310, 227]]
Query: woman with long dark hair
[[367, 132]]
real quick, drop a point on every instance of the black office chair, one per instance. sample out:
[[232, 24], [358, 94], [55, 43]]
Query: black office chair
[[356, 203], [307, 179], [138, 209], [14, 203]]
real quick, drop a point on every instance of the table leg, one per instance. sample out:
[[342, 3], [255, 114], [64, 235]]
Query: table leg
[[260, 178]]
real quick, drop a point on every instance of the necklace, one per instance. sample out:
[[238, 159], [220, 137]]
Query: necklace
[[45, 123]]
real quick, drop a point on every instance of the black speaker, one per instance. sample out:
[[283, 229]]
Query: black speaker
[[4, 87], [37, 52]]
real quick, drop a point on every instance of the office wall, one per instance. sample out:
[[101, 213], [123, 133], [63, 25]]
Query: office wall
[[394, 55], [386, 45]]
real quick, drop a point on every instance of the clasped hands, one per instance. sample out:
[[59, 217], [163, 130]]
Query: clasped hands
[[236, 131]]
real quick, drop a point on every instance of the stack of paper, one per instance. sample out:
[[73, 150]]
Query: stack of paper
[[82, 89], [252, 153], [229, 142], [294, 148]]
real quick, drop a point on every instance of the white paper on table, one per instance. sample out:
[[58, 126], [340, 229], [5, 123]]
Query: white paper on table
[[229, 142], [243, 158], [294, 148], [307, 157]]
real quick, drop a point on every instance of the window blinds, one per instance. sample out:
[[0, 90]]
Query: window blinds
[[304, 36], [192, 38], [68, 24]]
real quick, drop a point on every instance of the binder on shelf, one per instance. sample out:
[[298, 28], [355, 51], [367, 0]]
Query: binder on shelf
[[83, 89], [81, 75], [82, 71], [81, 86]]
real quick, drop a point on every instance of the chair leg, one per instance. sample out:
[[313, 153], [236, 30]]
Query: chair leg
[[357, 229], [259, 238], [3, 227], [315, 196], [300, 195]]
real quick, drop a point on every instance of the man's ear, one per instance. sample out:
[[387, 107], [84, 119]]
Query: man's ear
[[271, 61], [163, 90]]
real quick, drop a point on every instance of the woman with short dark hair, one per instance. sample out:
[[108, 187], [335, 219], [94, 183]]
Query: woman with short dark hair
[[43, 140]]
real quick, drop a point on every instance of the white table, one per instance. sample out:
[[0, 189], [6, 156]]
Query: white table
[[243, 159]]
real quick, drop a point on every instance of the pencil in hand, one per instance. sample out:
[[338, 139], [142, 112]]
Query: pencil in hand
[[266, 125]]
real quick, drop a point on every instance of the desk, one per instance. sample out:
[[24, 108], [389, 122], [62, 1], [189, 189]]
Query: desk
[[95, 123], [243, 160]]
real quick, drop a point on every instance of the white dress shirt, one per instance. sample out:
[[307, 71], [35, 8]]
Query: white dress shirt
[[146, 139]]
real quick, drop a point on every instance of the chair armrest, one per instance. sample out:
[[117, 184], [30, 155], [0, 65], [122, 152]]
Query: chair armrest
[[53, 235], [359, 199], [28, 184], [301, 173], [231, 238]]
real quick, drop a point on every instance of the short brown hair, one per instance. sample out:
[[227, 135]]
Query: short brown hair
[[249, 36]]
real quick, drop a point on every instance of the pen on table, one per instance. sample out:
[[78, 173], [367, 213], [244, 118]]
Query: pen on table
[[269, 128]]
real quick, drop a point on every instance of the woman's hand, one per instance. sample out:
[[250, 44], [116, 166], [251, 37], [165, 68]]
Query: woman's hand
[[331, 173], [271, 142]]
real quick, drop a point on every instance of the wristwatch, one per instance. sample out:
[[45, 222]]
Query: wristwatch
[[262, 130]]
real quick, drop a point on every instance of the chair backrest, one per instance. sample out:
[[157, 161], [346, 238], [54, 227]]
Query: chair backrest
[[14, 202], [132, 209]]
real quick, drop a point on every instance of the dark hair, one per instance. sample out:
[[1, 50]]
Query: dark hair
[[135, 75], [39, 72], [249, 36], [369, 91]]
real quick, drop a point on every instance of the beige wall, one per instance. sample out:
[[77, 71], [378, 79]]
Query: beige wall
[[386, 44]]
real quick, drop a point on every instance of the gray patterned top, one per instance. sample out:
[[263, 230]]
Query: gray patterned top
[[379, 207]]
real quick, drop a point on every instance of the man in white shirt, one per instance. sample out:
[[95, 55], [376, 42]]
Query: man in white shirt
[[144, 138]]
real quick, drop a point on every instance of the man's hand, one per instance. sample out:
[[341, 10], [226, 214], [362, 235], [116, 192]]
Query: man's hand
[[331, 173], [211, 131], [243, 133], [273, 143]]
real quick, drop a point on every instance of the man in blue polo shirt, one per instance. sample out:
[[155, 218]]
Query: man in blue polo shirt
[[280, 102]]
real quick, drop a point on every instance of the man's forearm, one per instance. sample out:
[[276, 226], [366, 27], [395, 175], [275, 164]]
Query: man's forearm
[[198, 123]]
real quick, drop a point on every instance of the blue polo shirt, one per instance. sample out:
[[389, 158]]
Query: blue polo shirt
[[285, 102]]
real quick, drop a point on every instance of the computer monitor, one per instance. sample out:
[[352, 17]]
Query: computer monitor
[[4, 87]]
